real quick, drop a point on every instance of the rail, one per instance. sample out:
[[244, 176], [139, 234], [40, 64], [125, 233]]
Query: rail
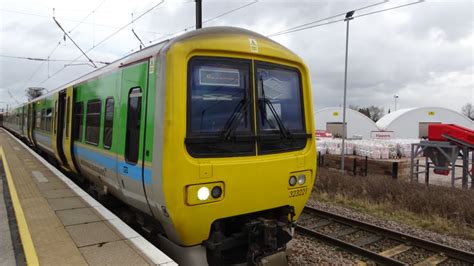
[[407, 242]]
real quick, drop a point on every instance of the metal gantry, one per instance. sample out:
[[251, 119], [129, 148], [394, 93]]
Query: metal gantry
[[442, 157]]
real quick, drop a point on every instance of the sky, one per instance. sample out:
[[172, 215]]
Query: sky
[[423, 53]]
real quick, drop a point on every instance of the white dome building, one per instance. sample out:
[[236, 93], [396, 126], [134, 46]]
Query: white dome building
[[413, 123], [358, 124]]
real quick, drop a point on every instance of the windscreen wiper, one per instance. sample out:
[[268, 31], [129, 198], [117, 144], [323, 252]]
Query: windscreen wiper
[[236, 116], [283, 130]]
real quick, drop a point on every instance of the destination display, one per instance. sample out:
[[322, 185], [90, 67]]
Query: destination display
[[213, 76]]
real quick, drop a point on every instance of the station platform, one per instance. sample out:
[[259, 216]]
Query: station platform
[[55, 222]]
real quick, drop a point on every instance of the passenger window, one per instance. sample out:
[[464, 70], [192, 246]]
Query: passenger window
[[78, 121], [38, 119], [108, 122], [93, 122], [48, 119], [43, 119], [132, 139]]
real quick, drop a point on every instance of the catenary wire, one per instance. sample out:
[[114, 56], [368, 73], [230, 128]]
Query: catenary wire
[[73, 20], [320, 20], [59, 43], [335, 21], [104, 40], [208, 20], [45, 59]]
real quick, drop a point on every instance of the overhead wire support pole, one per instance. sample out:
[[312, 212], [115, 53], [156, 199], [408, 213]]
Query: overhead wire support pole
[[344, 126], [67, 35], [198, 14]]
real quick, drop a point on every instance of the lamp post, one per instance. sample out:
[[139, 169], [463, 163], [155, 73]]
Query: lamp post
[[344, 126], [395, 97]]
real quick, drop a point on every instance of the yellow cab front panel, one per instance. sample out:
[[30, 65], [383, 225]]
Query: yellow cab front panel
[[252, 177]]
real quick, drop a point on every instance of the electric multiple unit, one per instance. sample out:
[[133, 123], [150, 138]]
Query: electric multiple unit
[[208, 135]]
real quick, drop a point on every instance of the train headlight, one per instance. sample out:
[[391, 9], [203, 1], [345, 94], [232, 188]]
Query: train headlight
[[203, 193], [293, 180], [216, 192], [301, 179]]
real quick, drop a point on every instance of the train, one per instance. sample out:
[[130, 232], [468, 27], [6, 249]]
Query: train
[[208, 136]]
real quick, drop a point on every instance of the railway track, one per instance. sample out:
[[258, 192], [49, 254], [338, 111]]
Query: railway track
[[377, 244]]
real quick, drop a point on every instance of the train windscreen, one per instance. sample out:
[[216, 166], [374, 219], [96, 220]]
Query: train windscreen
[[222, 103]]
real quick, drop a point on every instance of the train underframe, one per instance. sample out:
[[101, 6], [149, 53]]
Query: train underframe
[[249, 238]]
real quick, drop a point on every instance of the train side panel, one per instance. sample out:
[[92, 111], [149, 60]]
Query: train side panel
[[96, 158], [134, 156], [42, 132], [110, 151]]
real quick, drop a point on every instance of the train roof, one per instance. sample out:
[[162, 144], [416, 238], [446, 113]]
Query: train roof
[[165, 46]]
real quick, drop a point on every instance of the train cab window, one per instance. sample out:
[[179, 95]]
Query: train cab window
[[220, 107], [78, 121], [132, 138], [108, 122], [93, 122], [279, 108]]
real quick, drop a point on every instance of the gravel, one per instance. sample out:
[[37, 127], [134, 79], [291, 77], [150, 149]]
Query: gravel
[[414, 255], [454, 242], [304, 250], [382, 245]]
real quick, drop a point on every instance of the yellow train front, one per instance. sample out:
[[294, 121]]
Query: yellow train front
[[236, 146]]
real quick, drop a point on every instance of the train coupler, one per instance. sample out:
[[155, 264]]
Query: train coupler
[[258, 241]]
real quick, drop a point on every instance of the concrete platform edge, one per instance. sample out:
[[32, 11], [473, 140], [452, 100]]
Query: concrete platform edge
[[27, 243], [147, 249]]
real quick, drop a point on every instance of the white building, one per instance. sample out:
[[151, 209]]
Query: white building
[[413, 123], [358, 124]]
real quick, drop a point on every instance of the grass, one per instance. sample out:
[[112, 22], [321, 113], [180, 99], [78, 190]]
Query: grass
[[440, 209]]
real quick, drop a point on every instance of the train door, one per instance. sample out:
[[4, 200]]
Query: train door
[[67, 129], [59, 126], [133, 172], [23, 120], [31, 122]]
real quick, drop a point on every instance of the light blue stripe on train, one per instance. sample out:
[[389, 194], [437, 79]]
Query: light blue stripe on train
[[125, 169]]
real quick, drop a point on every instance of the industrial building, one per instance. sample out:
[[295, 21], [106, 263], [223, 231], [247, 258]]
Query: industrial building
[[413, 123], [358, 124]]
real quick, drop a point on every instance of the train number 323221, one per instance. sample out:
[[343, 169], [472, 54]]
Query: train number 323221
[[298, 192]]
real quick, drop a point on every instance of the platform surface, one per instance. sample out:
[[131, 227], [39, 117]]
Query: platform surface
[[67, 226]]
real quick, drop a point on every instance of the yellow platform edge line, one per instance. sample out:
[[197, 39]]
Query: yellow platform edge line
[[27, 242]]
